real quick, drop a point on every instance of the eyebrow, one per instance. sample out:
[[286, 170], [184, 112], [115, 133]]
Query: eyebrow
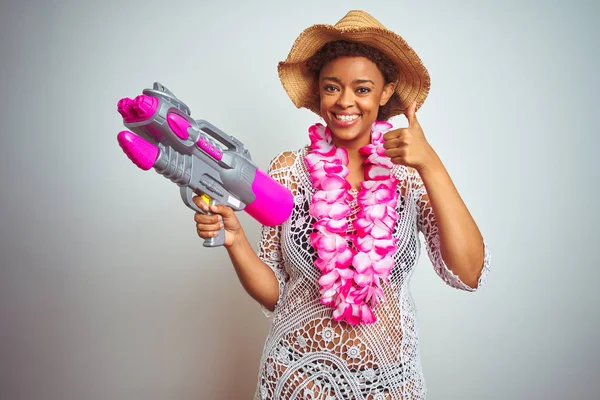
[[356, 81]]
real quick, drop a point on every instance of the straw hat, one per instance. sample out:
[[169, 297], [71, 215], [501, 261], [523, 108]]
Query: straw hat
[[358, 26]]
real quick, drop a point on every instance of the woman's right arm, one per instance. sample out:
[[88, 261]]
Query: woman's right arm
[[256, 277], [262, 273]]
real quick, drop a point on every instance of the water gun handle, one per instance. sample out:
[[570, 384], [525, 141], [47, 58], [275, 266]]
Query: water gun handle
[[186, 196]]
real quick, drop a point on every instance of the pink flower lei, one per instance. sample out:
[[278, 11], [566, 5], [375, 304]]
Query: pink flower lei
[[351, 277]]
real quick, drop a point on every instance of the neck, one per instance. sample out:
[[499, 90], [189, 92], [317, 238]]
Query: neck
[[352, 148], [356, 164]]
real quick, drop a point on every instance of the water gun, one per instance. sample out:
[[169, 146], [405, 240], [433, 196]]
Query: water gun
[[199, 158]]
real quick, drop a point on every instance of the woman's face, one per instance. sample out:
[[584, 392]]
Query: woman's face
[[351, 90]]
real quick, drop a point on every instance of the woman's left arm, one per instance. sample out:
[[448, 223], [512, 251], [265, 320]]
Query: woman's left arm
[[461, 244]]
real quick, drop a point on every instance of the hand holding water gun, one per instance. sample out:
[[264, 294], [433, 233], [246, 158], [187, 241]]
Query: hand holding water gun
[[199, 158]]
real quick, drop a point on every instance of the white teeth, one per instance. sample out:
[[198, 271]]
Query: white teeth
[[346, 117]]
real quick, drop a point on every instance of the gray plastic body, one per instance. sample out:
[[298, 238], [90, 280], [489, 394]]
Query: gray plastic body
[[194, 170]]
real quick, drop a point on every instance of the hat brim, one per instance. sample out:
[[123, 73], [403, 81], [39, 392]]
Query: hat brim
[[413, 78]]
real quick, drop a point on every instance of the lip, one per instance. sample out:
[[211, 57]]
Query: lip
[[344, 124]]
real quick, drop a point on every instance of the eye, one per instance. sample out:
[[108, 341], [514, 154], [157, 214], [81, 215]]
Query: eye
[[330, 88], [363, 90]]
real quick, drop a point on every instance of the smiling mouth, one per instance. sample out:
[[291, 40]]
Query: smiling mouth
[[346, 117]]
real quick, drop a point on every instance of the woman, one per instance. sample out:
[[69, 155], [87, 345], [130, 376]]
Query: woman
[[336, 274]]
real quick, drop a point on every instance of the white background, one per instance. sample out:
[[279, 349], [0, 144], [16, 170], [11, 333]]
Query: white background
[[106, 291]]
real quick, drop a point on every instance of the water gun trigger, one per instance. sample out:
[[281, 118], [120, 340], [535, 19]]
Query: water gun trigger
[[206, 198]]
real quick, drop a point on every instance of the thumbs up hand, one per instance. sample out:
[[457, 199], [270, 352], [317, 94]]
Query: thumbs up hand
[[408, 146]]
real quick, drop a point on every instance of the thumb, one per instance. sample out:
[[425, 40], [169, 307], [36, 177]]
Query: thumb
[[411, 115]]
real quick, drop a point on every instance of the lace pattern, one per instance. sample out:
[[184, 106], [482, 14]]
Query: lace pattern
[[308, 355]]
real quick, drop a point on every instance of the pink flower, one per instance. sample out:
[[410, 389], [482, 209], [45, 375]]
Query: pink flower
[[381, 246], [328, 298], [327, 280], [349, 312], [378, 196], [380, 159], [382, 267], [376, 186], [351, 279], [368, 149], [367, 315], [336, 211], [330, 196], [344, 258], [376, 172], [381, 152], [333, 182], [336, 169], [378, 228], [381, 127], [368, 243], [337, 225]]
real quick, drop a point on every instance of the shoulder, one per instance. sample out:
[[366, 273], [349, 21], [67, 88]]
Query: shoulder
[[409, 180], [403, 173], [284, 167], [285, 159]]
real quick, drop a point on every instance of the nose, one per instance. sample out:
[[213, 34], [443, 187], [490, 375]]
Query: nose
[[346, 98]]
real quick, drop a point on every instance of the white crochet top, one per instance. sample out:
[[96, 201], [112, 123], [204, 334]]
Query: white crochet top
[[308, 355]]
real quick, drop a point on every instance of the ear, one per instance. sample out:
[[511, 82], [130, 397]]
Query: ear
[[388, 91]]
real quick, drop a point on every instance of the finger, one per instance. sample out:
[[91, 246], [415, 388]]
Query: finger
[[209, 227], [226, 212], [200, 202], [392, 144], [207, 234], [206, 219], [411, 115], [391, 134], [389, 144], [398, 160], [396, 153], [400, 144]]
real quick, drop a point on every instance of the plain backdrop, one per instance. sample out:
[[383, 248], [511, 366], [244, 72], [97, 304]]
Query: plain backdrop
[[105, 289]]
